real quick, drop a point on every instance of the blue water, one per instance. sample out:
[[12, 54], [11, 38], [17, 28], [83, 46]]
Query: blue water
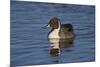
[[29, 42]]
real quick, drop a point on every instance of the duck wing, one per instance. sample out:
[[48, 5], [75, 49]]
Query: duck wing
[[66, 31]]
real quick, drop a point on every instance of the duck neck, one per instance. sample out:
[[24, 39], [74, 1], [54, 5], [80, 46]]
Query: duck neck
[[59, 25]]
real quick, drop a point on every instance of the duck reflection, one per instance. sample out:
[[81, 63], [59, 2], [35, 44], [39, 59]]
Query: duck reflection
[[58, 44], [60, 36]]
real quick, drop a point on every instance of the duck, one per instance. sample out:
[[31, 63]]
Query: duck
[[60, 31], [60, 36]]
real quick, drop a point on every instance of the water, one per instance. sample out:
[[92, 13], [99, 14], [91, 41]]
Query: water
[[29, 42]]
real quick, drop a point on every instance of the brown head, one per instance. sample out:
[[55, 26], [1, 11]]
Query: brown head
[[54, 23]]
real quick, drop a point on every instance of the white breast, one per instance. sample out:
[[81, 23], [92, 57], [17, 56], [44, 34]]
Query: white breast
[[54, 34], [54, 38]]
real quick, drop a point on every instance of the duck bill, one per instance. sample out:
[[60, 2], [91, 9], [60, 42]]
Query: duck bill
[[46, 26]]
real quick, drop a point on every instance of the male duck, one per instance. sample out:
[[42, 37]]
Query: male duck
[[60, 36]]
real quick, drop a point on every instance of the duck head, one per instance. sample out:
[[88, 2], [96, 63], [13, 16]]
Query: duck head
[[54, 23]]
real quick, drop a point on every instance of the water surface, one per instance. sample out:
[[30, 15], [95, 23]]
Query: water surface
[[29, 42]]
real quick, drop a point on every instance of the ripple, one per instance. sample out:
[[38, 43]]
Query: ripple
[[29, 42]]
